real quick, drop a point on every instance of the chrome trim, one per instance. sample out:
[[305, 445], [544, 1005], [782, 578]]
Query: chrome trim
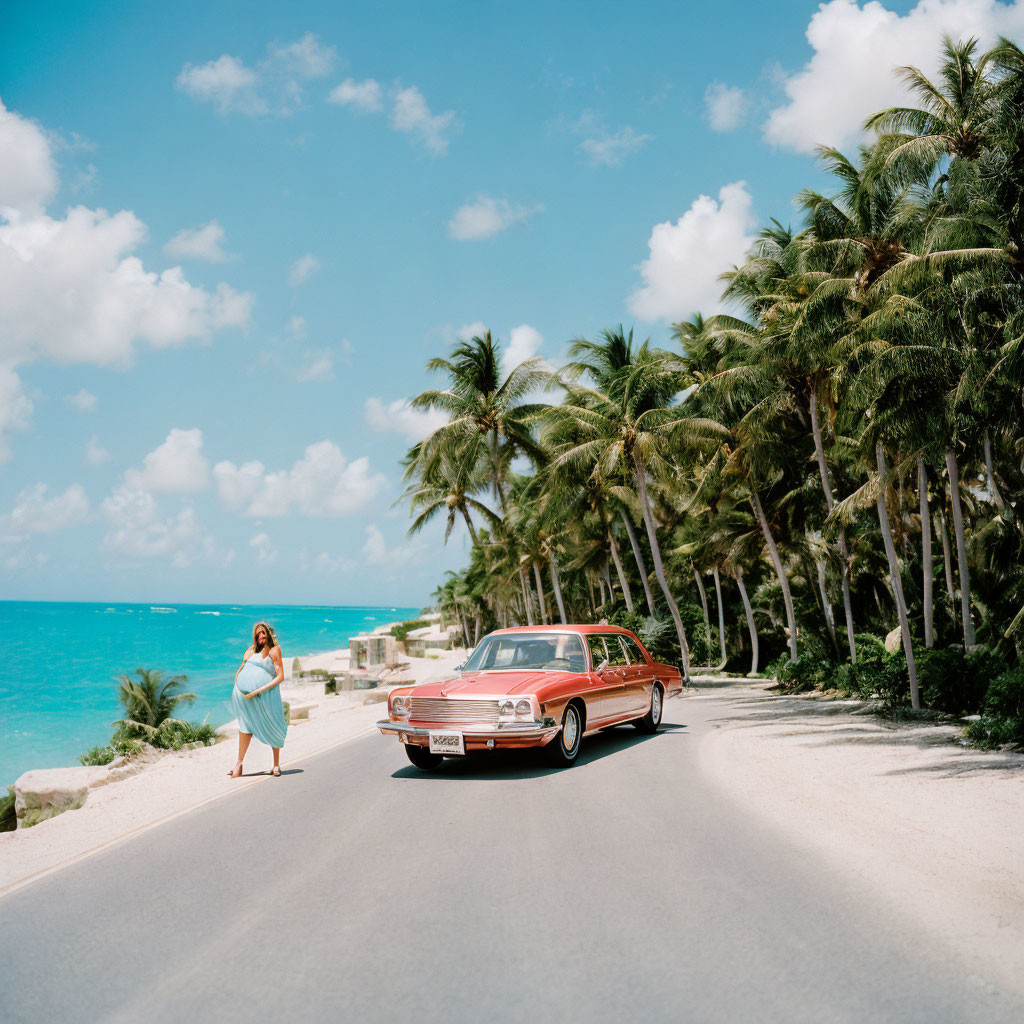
[[539, 730]]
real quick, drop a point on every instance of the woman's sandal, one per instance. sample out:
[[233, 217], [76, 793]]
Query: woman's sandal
[[276, 771], [238, 769]]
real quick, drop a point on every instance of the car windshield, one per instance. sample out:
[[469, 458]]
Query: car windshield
[[546, 652]]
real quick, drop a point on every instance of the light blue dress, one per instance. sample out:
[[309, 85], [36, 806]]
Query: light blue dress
[[263, 716]]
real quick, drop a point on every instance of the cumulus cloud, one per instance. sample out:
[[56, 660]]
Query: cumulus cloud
[[137, 530], [486, 217], [387, 559], [856, 48], [604, 147], [726, 106], [83, 401], [71, 288], [177, 466], [265, 551], [477, 329], [317, 365], [681, 274], [302, 270], [323, 483], [273, 85], [35, 512], [367, 97], [411, 115], [95, 453], [399, 417], [324, 563], [205, 242], [524, 343]]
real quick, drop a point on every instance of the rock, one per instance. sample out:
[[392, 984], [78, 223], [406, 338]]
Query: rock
[[46, 792], [301, 711], [893, 640]]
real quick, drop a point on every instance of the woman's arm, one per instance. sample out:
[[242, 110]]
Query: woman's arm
[[275, 654], [245, 658]]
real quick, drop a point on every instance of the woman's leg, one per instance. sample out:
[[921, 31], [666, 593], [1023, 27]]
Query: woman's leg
[[277, 757], [244, 739]]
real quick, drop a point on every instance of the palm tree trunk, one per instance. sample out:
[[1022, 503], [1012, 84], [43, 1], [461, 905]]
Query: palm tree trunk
[[600, 590], [947, 561], [993, 490], [926, 553], [540, 594], [751, 626], [826, 606], [787, 597], [659, 568], [826, 486], [590, 590], [527, 600], [961, 547], [704, 608], [623, 582], [894, 575], [721, 615], [469, 526], [639, 559], [608, 579], [476, 630], [557, 586]]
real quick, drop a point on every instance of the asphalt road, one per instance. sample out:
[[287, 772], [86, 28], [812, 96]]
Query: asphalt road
[[356, 888]]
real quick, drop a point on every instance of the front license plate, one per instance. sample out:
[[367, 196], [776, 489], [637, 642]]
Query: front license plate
[[447, 743]]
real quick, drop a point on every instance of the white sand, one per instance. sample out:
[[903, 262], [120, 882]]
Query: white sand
[[179, 782], [935, 828]]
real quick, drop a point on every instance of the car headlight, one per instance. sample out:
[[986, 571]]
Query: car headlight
[[524, 709], [506, 707], [400, 707]]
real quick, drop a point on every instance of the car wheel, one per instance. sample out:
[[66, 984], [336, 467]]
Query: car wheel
[[652, 720], [423, 758], [563, 749]]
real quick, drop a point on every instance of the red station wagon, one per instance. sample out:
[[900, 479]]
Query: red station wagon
[[533, 686]]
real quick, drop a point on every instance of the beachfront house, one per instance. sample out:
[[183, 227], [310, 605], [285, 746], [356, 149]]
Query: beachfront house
[[373, 650]]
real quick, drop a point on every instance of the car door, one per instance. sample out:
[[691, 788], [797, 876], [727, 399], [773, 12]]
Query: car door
[[606, 685], [618, 669], [639, 677]]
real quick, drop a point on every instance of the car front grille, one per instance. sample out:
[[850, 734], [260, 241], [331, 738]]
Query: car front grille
[[442, 709]]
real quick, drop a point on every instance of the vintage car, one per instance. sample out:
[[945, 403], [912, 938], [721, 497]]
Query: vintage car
[[533, 686]]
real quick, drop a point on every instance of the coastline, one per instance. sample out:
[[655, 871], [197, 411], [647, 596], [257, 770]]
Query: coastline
[[179, 781]]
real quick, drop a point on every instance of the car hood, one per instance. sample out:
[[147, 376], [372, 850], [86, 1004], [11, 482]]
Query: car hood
[[491, 684]]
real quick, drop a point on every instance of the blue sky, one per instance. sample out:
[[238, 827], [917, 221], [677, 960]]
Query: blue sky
[[232, 234]]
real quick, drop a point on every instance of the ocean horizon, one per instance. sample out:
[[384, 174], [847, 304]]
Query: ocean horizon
[[63, 661]]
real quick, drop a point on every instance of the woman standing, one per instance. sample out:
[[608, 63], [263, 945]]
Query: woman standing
[[256, 698]]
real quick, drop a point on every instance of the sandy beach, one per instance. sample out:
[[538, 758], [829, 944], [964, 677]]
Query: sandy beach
[[180, 781], [935, 827]]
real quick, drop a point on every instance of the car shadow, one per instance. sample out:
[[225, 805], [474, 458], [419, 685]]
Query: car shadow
[[530, 763]]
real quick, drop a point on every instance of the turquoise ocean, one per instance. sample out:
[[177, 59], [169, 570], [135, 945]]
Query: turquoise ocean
[[61, 661]]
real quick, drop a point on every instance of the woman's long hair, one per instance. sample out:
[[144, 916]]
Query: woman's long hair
[[271, 638]]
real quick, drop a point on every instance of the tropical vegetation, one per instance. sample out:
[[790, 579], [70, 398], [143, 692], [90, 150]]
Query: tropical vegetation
[[840, 457]]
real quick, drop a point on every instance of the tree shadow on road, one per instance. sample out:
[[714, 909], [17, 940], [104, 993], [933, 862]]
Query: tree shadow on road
[[529, 763]]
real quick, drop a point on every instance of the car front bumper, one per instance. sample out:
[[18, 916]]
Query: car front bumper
[[476, 737]]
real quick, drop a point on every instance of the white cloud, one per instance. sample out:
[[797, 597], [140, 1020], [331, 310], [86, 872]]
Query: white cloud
[[323, 483], [316, 366], [681, 273], [83, 401], [274, 85], [609, 149], [34, 512], [486, 217], [856, 49], [202, 243], [177, 466], [365, 97], [138, 531], [324, 563], [72, 290], [95, 453], [467, 332], [389, 560], [400, 418], [265, 551], [524, 343], [411, 115], [347, 351], [303, 269], [726, 106], [296, 327], [28, 175], [226, 83]]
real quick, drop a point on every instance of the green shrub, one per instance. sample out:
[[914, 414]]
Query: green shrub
[[287, 712], [8, 820], [1002, 712], [402, 630], [174, 734], [97, 756], [296, 667]]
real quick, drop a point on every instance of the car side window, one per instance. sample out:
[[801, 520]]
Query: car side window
[[636, 655], [597, 651], [616, 652]]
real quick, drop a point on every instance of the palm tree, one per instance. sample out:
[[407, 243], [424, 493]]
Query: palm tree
[[149, 701]]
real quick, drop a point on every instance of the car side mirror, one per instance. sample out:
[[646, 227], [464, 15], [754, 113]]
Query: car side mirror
[[603, 665], [459, 668]]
